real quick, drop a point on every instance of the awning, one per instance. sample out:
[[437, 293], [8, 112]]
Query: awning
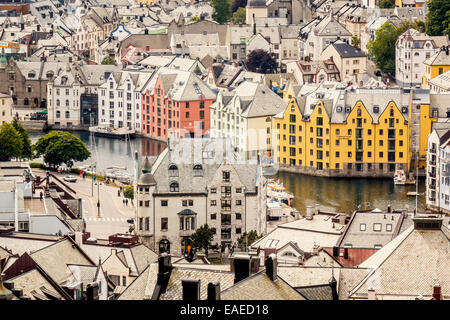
[[187, 212], [44, 112]]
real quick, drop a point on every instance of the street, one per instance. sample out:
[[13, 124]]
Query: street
[[113, 213]]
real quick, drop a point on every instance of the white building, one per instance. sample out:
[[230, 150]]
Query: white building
[[6, 109], [438, 168], [244, 116], [193, 183], [316, 36], [120, 100], [411, 50]]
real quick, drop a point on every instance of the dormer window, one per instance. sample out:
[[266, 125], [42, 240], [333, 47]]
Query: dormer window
[[173, 171], [31, 74], [198, 170]]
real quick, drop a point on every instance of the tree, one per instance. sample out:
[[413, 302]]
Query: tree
[[195, 19], [26, 142], [128, 192], [10, 142], [261, 61], [238, 4], [222, 10], [418, 24], [108, 60], [382, 49], [386, 4], [356, 42], [437, 20], [247, 239], [239, 16], [202, 237], [61, 147]]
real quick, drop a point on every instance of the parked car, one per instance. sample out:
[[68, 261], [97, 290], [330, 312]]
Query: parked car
[[70, 179]]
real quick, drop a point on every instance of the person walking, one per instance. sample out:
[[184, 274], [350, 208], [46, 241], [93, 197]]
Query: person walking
[[41, 196], [118, 193], [126, 202]]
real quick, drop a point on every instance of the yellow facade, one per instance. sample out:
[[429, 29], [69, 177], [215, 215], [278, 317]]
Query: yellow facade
[[358, 145], [432, 71], [426, 120]]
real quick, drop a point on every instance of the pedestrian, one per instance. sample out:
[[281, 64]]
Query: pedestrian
[[41, 195], [123, 201], [126, 202], [118, 193]]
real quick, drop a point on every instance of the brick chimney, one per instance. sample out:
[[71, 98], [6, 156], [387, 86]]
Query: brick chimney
[[242, 267], [437, 292], [345, 253]]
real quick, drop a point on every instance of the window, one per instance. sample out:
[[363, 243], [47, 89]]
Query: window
[[213, 190], [377, 227], [164, 223], [238, 216], [226, 176], [238, 230], [213, 216], [213, 203], [164, 203], [238, 202], [198, 170], [362, 227], [184, 203], [174, 187], [226, 205], [173, 171], [389, 227], [238, 190]]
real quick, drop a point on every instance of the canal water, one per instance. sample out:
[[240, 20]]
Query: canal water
[[333, 194]]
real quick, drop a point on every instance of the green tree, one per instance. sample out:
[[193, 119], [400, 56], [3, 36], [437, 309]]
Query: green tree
[[437, 21], [59, 147], [222, 10], [419, 24], [356, 42], [108, 60], [239, 16], [202, 237], [195, 19], [26, 142], [247, 239], [10, 142], [128, 192], [386, 4], [382, 49]]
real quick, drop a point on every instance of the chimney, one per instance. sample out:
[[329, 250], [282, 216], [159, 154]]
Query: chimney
[[164, 268], [389, 209], [335, 251], [241, 267], [371, 294], [254, 25], [333, 285], [317, 208], [191, 290], [309, 212], [272, 266], [38, 27], [79, 238], [345, 253], [437, 292], [213, 291]]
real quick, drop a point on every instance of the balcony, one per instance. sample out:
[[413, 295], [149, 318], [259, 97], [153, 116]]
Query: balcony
[[432, 163], [432, 174], [432, 186]]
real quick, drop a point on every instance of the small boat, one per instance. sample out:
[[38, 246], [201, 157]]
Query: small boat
[[117, 133], [277, 192], [413, 194], [400, 178]]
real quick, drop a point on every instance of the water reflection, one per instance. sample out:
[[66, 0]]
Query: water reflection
[[114, 152], [344, 195]]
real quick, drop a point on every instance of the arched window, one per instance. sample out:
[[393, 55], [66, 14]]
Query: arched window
[[174, 187], [67, 103], [57, 102], [31, 74], [198, 170], [392, 112], [164, 246], [67, 114], [58, 114], [173, 171]]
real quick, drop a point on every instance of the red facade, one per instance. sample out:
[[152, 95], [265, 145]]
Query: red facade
[[162, 114]]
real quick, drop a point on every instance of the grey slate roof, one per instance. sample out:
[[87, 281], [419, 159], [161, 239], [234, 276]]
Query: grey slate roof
[[348, 51]]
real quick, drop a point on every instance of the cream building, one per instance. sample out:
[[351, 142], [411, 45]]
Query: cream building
[[6, 109]]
